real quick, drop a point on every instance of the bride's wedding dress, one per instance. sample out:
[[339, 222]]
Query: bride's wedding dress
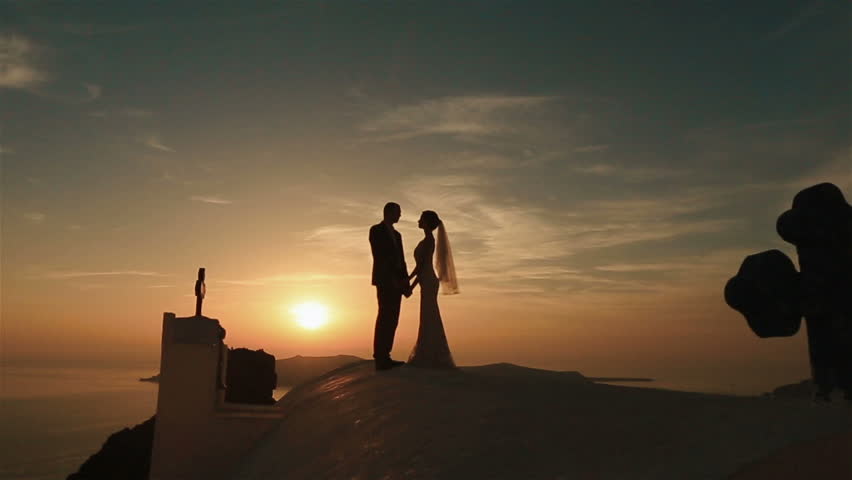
[[431, 349]]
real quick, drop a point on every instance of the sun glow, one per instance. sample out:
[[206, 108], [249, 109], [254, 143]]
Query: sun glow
[[310, 315]]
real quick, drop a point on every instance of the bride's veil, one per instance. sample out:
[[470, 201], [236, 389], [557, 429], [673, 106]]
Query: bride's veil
[[444, 263]]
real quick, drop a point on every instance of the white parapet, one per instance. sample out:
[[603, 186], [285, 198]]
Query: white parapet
[[197, 435]]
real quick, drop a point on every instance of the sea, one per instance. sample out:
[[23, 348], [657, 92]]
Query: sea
[[53, 419]]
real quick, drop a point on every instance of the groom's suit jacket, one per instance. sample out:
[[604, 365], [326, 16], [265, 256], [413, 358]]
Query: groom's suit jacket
[[389, 268]]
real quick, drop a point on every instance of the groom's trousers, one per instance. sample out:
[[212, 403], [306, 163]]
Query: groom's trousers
[[390, 299]]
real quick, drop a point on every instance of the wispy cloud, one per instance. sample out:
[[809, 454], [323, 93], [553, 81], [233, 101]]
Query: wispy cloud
[[497, 239], [90, 29], [454, 116], [677, 273], [93, 90], [64, 275], [18, 68], [210, 199], [123, 112], [89, 286], [170, 177], [512, 157], [596, 169], [344, 240], [804, 15], [154, 142], [292, 278], [35, 217], [836, 169], [479, 160], [136, 112], [635, 174], [645, 267], [591, 148]]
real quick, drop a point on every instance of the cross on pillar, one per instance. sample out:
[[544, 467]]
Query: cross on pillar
[[200, 290]]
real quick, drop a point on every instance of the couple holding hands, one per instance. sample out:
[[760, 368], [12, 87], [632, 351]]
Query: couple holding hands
[[392, 281]]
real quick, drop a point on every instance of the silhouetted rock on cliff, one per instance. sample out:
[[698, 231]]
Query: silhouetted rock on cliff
[[801, 390], [251, 376], [126, 455], [153, 378], [296, 370], [765, 291]]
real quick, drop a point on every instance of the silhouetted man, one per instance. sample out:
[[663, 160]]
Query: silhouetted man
[[390, 276]]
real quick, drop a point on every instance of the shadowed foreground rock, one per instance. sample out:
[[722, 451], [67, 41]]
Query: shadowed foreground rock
[[803, 390], [766, 291], [508, 422], [250, 377], [126, 455], [773, 297], [827, 458]]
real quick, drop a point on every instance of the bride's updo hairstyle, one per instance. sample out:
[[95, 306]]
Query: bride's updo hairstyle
[[431, 219]]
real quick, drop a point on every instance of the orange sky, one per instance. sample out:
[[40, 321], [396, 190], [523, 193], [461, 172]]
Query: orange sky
[[600, 178]]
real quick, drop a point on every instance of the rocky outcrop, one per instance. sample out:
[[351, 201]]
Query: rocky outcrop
[[125, 455], [773, 297], [250, 377], [819, 224], [803, 390], [766, 291]]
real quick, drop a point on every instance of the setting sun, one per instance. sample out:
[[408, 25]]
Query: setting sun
[[310, 315]]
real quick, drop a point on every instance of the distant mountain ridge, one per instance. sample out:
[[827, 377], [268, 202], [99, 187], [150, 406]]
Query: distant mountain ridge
[[296, 370]]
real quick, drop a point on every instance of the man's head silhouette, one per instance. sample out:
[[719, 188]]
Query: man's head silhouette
[[392, 212]]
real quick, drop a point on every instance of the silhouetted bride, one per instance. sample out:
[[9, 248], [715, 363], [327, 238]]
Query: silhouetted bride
[[432, 349]]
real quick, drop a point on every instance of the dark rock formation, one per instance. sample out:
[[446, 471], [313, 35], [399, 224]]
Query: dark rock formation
[[772, 299], [125, 455], [297, 370], [766, 292], [250, 377], [820, 226], [803, 390], [153, 378]]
